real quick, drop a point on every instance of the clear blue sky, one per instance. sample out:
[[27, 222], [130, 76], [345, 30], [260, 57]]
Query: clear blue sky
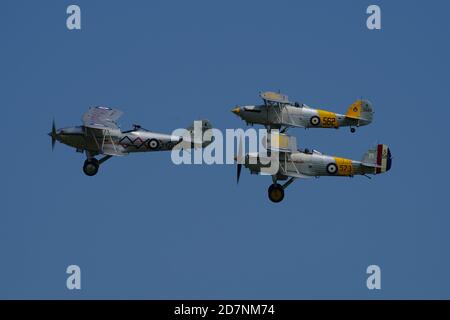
[[145, 228]]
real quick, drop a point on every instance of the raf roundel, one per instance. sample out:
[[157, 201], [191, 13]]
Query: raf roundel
[[153, 144], [331, 168], [315, 120]]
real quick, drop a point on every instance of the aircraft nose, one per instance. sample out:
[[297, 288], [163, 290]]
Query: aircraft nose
[[236, 110], [56, 134]]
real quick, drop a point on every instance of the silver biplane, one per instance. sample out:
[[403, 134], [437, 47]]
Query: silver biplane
[[100, 135], [292, 163], [278, 112]]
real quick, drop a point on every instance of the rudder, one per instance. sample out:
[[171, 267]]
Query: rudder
[[361, 110], [379, 159], [384, 159]]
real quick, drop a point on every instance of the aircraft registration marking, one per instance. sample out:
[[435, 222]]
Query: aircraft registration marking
[[345, 167], [328, 119]]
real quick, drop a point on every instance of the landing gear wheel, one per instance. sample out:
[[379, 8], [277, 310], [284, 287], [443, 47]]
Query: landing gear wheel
[[315, 121], [153, 144], [332, 168], [276, 193], [90, 167], [352, 130]]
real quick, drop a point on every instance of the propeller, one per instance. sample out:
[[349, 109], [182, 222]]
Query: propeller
[[239, 159], [53, 134], [239, 169]]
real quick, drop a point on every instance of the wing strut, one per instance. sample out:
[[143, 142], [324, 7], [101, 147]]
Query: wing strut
[[284, 186], [95, 139]]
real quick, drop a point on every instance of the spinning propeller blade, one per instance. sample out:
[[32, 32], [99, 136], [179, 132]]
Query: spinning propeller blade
[[53, 134], [239, 168], [239, 159]]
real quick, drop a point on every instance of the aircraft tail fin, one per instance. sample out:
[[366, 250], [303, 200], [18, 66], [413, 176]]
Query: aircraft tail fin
[[361, 110], [378, 159], [197, 131]]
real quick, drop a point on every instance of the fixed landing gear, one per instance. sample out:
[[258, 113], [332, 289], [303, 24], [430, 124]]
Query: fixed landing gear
[[276, 193], [276, 190], [352, 130], [90, 167]]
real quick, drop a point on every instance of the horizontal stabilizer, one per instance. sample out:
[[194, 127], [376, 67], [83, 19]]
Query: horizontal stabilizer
[[197, 137], [371, 165]]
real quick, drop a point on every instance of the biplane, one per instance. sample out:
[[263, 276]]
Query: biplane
[[277, 112], [284, 162], [100, 135]]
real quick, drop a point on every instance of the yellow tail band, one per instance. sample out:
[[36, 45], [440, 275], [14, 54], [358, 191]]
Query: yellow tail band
[[354, 111]]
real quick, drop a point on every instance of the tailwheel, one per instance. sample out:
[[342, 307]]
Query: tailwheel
[[90, 167], [276, 193]]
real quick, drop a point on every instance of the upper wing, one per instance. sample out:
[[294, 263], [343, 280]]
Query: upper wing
[[271, 98], [101, 118], [280, 142]]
